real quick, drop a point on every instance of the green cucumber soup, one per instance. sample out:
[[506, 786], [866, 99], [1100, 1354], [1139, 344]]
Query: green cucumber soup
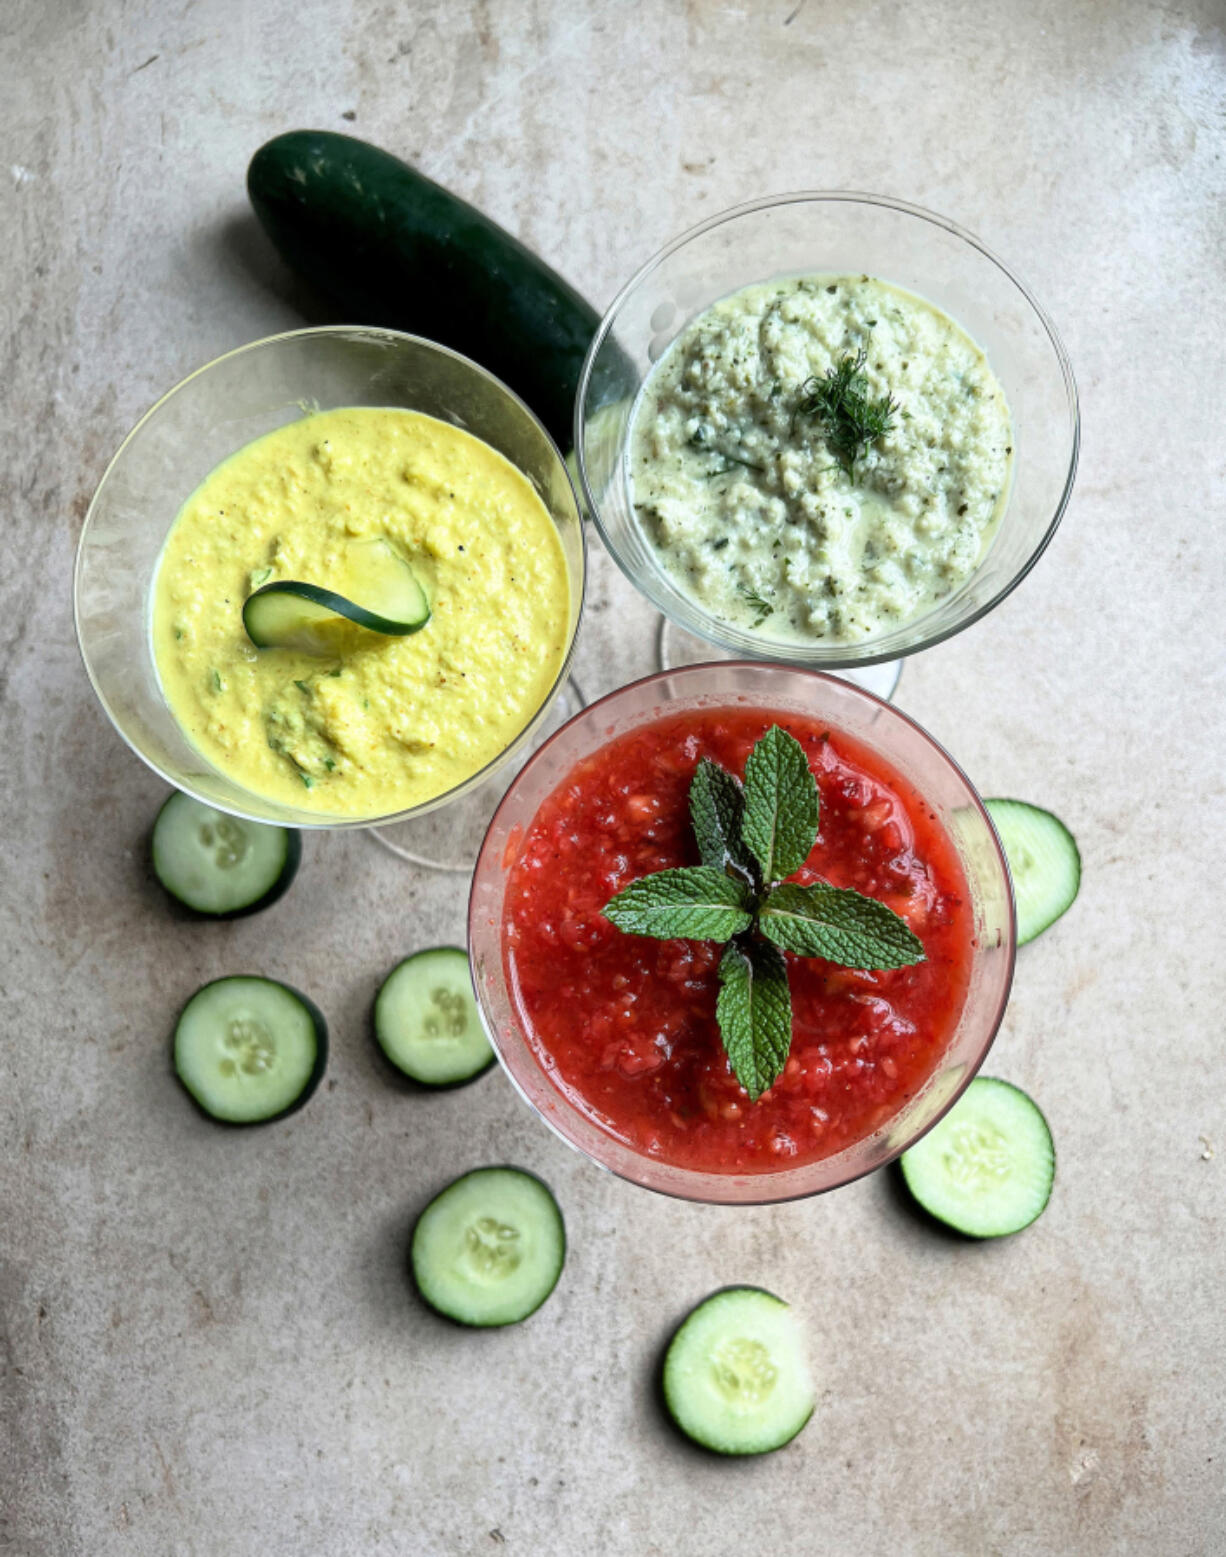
[[820, 459]]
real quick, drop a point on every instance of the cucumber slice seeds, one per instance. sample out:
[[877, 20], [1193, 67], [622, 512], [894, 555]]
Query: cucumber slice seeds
[[987, 1168], [426, 1020], [1044, 862], [218, 865], [249, 1050], [735, 1376], [381, 594], [488, 1249]]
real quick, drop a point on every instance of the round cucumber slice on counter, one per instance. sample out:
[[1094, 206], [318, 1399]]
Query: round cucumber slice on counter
[[221, 866], [249, 1050], [987, 1168], [736, 1379], [488, 1249], [426, 1020], [1044, 862], [379, 592]]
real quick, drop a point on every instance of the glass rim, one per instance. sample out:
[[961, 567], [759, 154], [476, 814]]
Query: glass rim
[[327, 823], [694, 1184], [708, 628]]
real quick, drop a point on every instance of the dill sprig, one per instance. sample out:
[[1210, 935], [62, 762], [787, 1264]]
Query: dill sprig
[[756, 602], [840, 402]]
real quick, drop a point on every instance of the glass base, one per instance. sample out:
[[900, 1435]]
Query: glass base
[[449, 839], [676, 648]]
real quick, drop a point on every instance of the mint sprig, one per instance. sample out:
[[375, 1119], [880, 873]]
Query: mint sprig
[[717, 806], [749, 838], [754, 1012], [696, 903], [839, 924], [781, 804]]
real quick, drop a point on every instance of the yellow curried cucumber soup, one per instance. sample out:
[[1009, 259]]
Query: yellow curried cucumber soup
[[374, 724], [820, 459]]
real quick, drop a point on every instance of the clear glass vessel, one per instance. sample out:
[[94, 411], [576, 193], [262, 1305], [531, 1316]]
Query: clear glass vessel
[[207, 418], [912, 752], [833, 233]]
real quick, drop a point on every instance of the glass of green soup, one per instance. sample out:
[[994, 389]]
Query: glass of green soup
[[343, 459], [825, 429]]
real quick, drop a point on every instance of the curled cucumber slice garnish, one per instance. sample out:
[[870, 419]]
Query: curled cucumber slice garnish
[[379, 593]]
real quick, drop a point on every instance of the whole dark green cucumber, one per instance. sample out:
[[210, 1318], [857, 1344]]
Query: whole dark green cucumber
[[393, 248]]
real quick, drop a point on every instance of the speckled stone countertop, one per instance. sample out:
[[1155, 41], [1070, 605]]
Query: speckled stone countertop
[[209, 1343]]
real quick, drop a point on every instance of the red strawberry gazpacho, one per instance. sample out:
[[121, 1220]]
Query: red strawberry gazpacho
[[625, 1025]]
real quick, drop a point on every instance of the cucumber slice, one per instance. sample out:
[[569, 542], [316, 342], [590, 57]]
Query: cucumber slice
[[249, 1049], [987, 1168], [221, 866], [1044, 862], [379, 592], [735, 1378], [426, 1020], [488, 1249]]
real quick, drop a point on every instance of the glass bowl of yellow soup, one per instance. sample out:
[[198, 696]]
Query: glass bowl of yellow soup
[[273, 464], [764, 509]]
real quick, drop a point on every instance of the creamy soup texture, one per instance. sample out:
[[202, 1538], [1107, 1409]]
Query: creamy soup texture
[[389, 722], [749, 510]]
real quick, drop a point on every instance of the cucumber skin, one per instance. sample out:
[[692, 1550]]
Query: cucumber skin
[[935, 1218], [412, 1083], [320, 1023], [329, 600], [293, 859], [1063, 829], [666, 1399], [396, 249], [505, 1324]]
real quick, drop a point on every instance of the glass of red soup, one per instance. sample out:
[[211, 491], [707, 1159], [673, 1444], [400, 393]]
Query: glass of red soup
[[613, 1037]]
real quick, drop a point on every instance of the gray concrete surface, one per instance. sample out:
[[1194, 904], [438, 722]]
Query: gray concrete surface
[[209, 1346]]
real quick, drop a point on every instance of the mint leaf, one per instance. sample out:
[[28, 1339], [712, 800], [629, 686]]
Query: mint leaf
[[755, 1013], [717, 804], [781, 804], [696, 903], [839, 924]]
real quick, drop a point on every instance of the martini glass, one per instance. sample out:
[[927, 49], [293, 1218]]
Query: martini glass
[[210, 416], [910, 751], [830, 233]]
